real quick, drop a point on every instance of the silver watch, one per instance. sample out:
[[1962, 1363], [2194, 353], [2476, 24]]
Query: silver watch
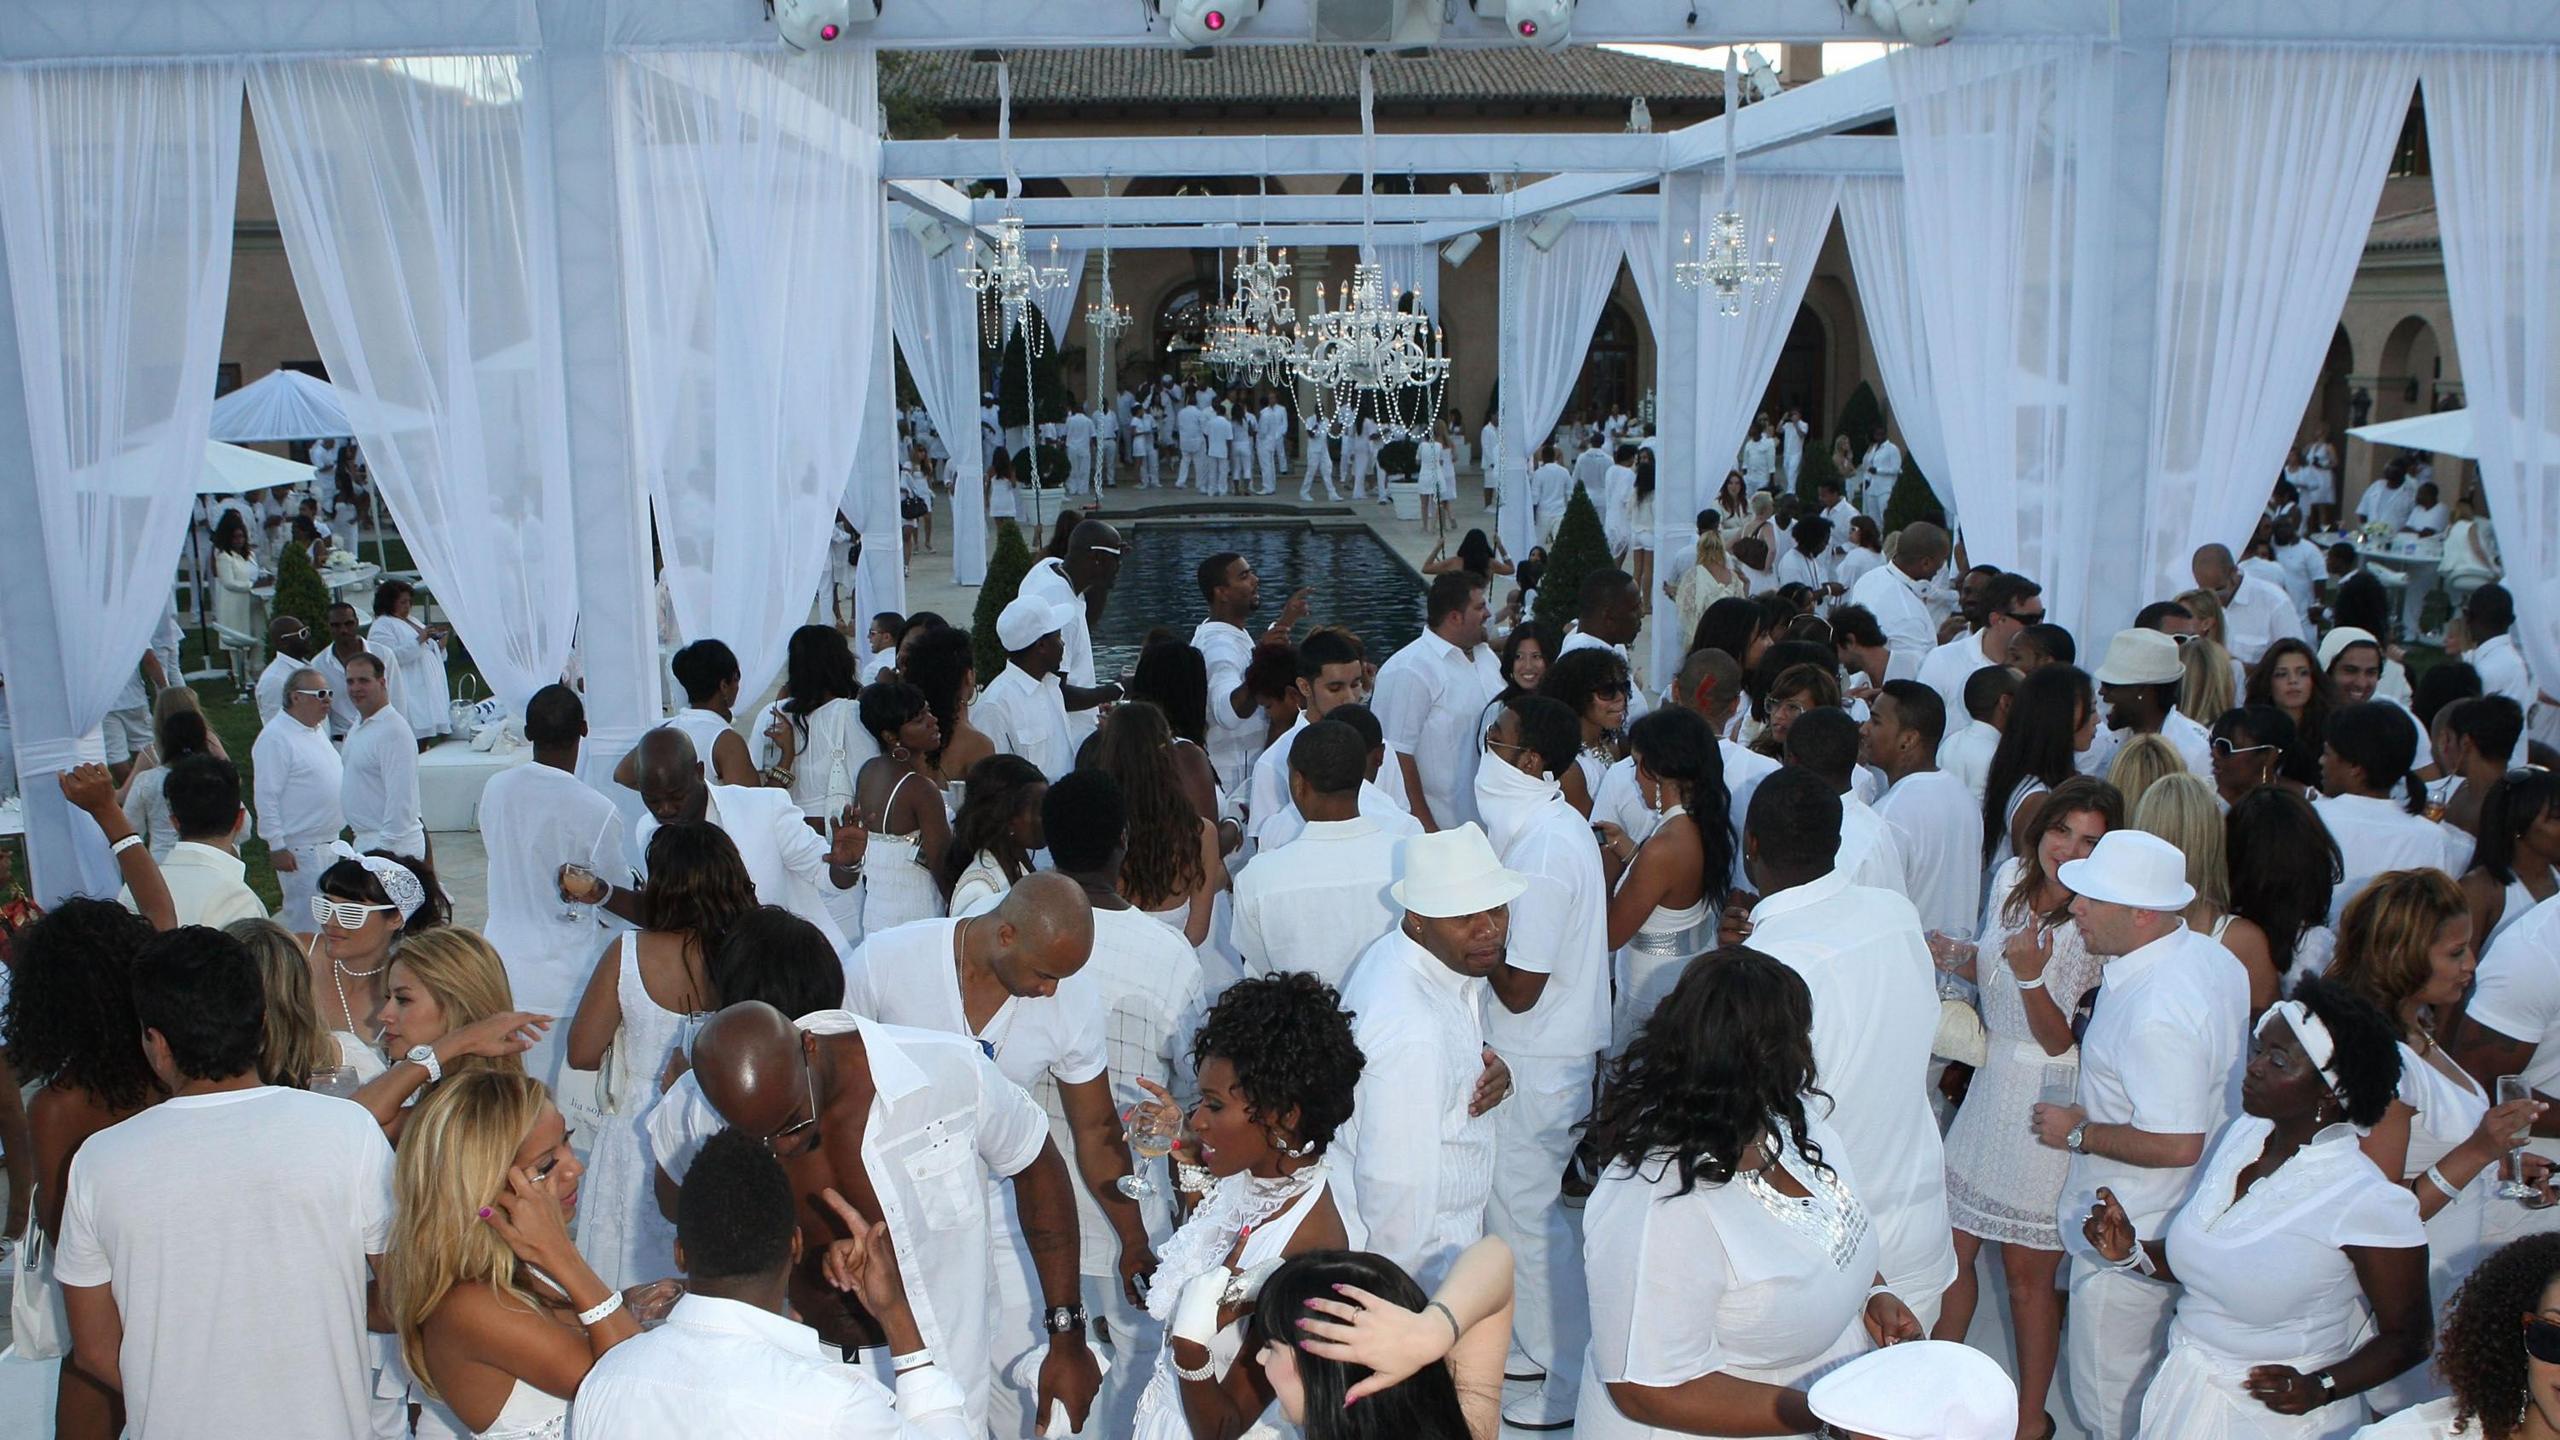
[[2077, 1142], [424, 1057]]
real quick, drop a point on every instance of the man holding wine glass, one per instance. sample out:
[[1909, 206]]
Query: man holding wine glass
[[2509, 1040]]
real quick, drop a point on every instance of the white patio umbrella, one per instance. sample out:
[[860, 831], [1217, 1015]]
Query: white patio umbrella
[[2447, 432], [233, 470], [284, 405]]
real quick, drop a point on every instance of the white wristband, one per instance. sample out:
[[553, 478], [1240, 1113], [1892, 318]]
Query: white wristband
[[601, 1309], [124, 844], [2035, 984], [2443, 1186], [912, 1360]]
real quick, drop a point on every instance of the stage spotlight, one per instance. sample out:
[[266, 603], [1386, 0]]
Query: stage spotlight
[[1198, 23], [1549, 228], [807, 25], [930, 233], [1921, 22], [1547, 23], [1759, 78], [1457, 252]]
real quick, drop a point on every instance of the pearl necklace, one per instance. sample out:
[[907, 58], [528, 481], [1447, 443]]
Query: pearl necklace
[[338, 969]]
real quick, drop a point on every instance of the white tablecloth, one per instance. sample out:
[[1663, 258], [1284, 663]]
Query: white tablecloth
[[450, 777]]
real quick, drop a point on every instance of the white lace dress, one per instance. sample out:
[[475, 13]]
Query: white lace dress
[[620, 1229], [1267, 1213], [896, 888], [2001, 1184], [531, 1413]]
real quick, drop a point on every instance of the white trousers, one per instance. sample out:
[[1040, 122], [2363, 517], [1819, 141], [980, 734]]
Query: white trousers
[[2111, 1344], [1147, 468], [1134, 1337], [1079, 469], [1213, 479], [1182, 473], [1355, 468], [1106, 465], [1532, 1139], [1319, 467], [1272, 465]]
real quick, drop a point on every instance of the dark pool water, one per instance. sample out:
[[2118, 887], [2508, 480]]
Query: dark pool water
[[1357, 582]]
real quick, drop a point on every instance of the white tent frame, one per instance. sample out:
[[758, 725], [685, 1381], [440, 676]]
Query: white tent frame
[[2120, 202]]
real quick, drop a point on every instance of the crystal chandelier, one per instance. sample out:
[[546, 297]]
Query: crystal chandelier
[[1728, 265], [1008, 284], [1255, 341], [1106, 317], [1369, 357]]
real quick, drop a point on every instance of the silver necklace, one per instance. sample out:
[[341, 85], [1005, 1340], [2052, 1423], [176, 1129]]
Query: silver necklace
[[1829, 1215]]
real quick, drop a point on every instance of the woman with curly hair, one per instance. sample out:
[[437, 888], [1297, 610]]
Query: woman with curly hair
[[648, 993], [1277, 1066], [71, 1031], [2290, 678], [2505, 1377], [1172, 871], [2292, 1243], [1592, 683], [900, 801], [1729, 1256], [995, 833], [2404, 947]]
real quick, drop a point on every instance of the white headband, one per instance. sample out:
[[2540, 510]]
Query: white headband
[[397, 881], [2317, 1042]]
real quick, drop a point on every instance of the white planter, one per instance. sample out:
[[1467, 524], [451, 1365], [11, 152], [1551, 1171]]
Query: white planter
[[1407, 496]]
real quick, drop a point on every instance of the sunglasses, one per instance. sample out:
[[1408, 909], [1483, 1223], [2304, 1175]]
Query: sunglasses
[[2224, 749], [2542, 1339], [316, 694], [2028, 617], [345, 914], [1610, 691], [809, 1079]]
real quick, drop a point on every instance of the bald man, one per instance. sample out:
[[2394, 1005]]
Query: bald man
[[290, 638], [784, 857], [906, 1125], [1011, 979], [1897, 594], [1081, 582], [2255, 613]]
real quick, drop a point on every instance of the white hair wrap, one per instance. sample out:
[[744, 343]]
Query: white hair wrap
[[397, 881], [2317, 1042]]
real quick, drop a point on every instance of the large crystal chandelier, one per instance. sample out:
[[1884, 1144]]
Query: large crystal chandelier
[[1369, 356], [1256, 339], [1009, 285], [1728, 264]]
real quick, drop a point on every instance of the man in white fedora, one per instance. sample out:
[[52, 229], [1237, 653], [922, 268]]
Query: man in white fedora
[[1416, 1159], [2138, 684], [1918, 1390], [2156, 1059]]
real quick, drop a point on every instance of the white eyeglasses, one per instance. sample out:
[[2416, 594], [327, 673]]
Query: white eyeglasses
[[345, 914]]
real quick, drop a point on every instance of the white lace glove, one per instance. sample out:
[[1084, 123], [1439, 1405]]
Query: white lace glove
[[1195, 1315]]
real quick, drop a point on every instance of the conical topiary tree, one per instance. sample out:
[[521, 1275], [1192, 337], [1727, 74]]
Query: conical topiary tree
[[1581, 547], [1912, 499], [1048, 383], [1859, 419], [299, 591], [1005, 569]]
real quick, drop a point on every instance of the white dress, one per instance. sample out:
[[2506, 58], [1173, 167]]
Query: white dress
[[1736, 1278], [2449, 1110], [2001, 1184], [419, 688], [1650, 963], [1273, 1209], [2264, 1280], [531, 1413], [896, 886], [620, 1229]]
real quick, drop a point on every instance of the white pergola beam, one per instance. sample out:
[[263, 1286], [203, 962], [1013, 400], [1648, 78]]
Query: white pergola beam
[[941, 200], [1128, 156], [1213, 237], [1221, 212]]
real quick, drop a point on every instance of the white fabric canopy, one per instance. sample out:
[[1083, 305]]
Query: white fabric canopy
[[418, 226], [2493, 120], [750, 209], [281, 405], [1872, 219], [1990, 139], [1551, 303], [935, 318], [2275, 160], [117, 186], [234, 470], [2446, 432]]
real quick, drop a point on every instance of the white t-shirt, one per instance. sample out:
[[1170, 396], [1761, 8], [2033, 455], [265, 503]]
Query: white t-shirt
[[2517, 994], [207, 1211]]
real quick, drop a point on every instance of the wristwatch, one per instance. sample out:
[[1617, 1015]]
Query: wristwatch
[[1064, 1320], [424, 1057], [2077, 1142]]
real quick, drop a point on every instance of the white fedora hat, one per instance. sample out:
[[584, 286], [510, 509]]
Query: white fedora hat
[[1028, 617], [2131, 867], [1453, 872], [1919, 1390], [2142, 657]]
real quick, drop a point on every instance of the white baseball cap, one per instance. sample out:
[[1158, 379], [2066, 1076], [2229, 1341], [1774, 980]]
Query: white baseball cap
[[1027, 618], [2131, 867], [1919, 1390]]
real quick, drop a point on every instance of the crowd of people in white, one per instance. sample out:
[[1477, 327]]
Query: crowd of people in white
[[1286, 1037]]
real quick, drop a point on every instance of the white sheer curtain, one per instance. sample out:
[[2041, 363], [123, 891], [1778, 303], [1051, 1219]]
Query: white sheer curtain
[[2493, 123], [751, 208], [1990, 140], [1647, 263], [935, 318], [2275, 159], [1551, 303], [417, 221], [1058, 306], [1871, 217], [1415, 268], [117, 185]]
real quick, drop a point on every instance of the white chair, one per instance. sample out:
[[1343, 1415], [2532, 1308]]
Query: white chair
[[240, 651]]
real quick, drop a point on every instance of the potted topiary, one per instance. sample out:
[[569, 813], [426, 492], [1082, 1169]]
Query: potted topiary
[[300, 592], [1399, 462], [1581, 547], [1010, 561]]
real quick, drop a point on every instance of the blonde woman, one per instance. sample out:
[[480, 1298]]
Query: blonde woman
[[298, 1045], [2139, 764], [2206, 607], [1711, 579], [2212, 686], [2183, 810], [497, 1313], [446, 1008]]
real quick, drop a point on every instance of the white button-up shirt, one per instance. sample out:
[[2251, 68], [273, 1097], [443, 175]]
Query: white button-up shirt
[[942, 1117], [1417, 1168], [1319, 901], [1048, 581], [1376, 806], [271, 682], [379, 789], [727, 1370], [784, 857], [1937, 825], [1027, 717], [533, 820], [2502, 670], [1967, 756], [208, 886], [1901, 609], [1875, 1012], [1948, 667], [1868, 854], [2388, 504], [1550, 489], [1559, 926], [298, 784], [1234, 741], [2375, 835], [2170, 1025], [2256, 616], [1430, 702], [1267, 793], [342, 710]]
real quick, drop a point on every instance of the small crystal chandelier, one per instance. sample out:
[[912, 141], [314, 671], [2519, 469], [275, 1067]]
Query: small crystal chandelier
[[1009, 285], [1106, 317], [1728, 265], [1256, 340]]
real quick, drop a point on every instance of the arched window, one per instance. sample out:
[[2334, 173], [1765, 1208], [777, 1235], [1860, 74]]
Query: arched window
[[1608, 379], [1181, 326]]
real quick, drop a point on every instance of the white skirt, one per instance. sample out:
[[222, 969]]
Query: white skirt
[[2198, 1395]]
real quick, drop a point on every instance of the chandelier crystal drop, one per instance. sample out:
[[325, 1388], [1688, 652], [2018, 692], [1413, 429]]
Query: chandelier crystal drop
[[1009, 285], [1253, 337]]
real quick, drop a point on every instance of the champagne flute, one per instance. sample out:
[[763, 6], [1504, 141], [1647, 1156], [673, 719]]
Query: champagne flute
[[1153, 1128], [2511, 1183]]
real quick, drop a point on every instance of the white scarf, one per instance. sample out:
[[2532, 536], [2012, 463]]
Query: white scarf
[[1510, 800]]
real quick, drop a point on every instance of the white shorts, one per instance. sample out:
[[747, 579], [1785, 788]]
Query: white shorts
[[127, 732]]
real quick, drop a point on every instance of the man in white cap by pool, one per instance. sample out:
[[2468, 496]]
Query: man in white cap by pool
[[1918, 1390], [1024, 710], [2138, 686], [1416, 1159], [2163, 1034]]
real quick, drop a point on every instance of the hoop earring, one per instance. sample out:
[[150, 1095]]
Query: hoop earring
[[900, 753]]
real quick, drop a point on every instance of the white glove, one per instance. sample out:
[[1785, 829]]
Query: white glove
[[1195, 1314]]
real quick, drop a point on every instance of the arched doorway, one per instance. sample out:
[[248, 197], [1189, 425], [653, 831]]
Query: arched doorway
[[1181, 328], [2411, 364], [1803, 365], [1607, 383]]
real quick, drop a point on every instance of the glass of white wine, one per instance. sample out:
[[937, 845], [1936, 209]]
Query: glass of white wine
[[1153, 1129], [2511, 1182]]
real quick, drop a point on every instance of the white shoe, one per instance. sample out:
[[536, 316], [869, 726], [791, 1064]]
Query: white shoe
[[1531, 1406]]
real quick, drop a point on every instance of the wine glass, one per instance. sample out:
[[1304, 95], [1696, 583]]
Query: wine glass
[[2511, 1182], [1153, 1129], [572, 909]]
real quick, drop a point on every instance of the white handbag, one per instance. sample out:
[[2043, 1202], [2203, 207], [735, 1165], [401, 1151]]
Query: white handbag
[[38, 1327]]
